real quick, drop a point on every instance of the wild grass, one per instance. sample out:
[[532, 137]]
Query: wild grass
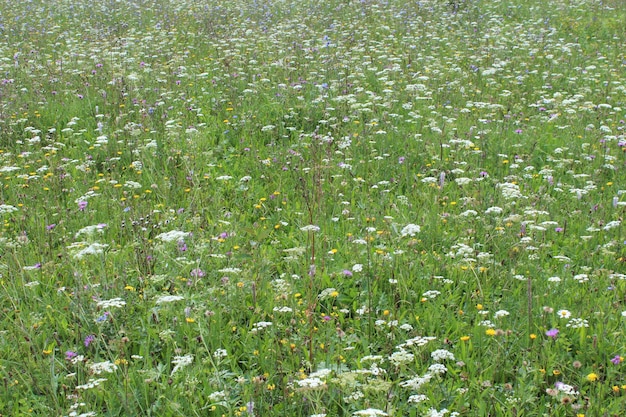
[[312, 208]]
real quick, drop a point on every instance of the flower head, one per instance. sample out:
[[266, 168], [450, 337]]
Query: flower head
[[552, 333]]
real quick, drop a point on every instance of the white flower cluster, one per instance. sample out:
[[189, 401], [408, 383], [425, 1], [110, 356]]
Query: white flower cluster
[[113, 302], [100, 367], [180, 362], [168, 299], [172, 236], [441, 355], [410, 230]]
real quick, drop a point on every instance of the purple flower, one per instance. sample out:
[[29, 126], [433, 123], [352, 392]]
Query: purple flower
[[558, 229], [70, 355], [102, 317], [401, 160], [552, 333], [51, 226], [82, 205], [347, 272], [617, 359], [197, 273], [182, 246], [89, 339]]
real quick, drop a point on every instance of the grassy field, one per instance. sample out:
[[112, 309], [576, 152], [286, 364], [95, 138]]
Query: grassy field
[[312, 208]]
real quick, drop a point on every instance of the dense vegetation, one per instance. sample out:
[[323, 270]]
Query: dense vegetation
[[312, 208]]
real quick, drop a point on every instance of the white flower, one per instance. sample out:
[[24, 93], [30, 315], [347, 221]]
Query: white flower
[[310, 228], [581, 278], [577, 323], [91, 384], [229, 270], [357, 268], [180, 362], [114, 302], [441, 354], [93, 249], [311, 383], [410, 230], [5, 208], [416, 382], [217, 396], [611, 225], [417, 341], [370, 412], [437, 368], [100, 367], [168, 299], [494, 210], [172, 236], [564, 314], [500, 313], [431, 294], [220, 353], [401, 357], [260, 326], [322, 373], [416, 399]]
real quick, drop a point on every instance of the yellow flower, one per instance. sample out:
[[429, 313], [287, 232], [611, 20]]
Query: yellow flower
[[592, 377], [490, 332], [465, 338], [533, 336]]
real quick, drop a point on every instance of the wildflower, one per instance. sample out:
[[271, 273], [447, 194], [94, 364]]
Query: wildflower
[[552, 333], [501, 313], [180, 362], [370, 412], [172, 236], [617, 359], [82, 205], [100, 367], [437, 368], [92, 383], [402, 357], [168, 299], [418, 398], [114, 302], [311, 383], [490, 332], [69, 355], [441, 354], [89, 340], [197, 273], [592, 377], [577, 323], [410, 230], [564, 314], [220, 353], [310, 228]]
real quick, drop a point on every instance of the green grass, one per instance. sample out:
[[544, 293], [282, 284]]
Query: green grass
[[211, 208]]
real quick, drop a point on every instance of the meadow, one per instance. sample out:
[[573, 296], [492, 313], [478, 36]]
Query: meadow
[[312, 208]]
